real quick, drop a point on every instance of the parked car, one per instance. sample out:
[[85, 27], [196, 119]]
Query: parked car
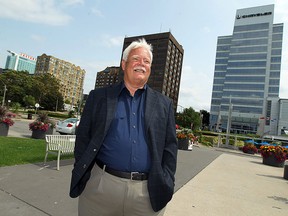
[[67, 126]]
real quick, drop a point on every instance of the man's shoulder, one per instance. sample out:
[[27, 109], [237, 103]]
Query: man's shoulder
[[102, 90], [159, 95]]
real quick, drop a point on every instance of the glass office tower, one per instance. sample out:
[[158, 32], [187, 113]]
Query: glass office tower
[[247, 72], [20, 62]]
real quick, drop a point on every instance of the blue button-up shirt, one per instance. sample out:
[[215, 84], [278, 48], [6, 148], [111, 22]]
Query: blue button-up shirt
[[125, 146]]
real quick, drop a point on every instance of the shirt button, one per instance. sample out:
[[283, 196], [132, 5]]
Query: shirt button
[[134, 113], [94, 150], [84, 166], [134, 126], [134, 141]]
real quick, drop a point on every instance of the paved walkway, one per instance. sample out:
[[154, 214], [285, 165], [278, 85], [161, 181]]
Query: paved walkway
[[233, 184]]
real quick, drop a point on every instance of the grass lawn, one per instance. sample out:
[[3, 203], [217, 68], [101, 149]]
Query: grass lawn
[[15, 151]]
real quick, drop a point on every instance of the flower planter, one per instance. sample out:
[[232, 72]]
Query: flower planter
[[250, 152], [49, 131], [272, 161], [249, 149], [183, 144], [4, 128], [38, 134], [286, 171]]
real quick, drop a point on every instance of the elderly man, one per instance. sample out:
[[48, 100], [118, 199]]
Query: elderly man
[[126, 147]]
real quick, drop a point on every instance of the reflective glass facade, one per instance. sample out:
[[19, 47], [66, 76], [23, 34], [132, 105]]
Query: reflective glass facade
[[20, 62], [247, 70]]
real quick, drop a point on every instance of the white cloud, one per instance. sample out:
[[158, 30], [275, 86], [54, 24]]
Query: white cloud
[[284, 75], [71, 2], [206, 29], [36, 11], [97, 12], [281, 8], [107, 42], [110, 41], [281, 16], [38, 38], [195, 89]]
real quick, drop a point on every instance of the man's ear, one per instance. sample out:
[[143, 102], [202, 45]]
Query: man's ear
[[123, 64]]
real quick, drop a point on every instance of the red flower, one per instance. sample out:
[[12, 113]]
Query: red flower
[[279, 152], [185, 134], [38, 125], [5, 116], [249, 148], [8, 121]]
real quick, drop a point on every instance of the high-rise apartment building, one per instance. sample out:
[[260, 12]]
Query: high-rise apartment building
[[107, 77], [166, 66], [247, 73], [20, 62], [70, 76]]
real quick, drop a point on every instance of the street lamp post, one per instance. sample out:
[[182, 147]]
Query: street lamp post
[[181, 108], [56, 105], [4, 95]]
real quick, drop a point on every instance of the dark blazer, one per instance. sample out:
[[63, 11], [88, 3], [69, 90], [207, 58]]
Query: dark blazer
[[161, 137]]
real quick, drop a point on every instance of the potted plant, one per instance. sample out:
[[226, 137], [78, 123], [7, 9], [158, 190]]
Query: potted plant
[[184, 137], [249, 149], [5, 120], [273, 155], [41, 126]]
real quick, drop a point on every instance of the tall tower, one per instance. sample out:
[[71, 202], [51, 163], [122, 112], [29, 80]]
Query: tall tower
[[107, 77], [247, 71], [70, 76], [166, 66]]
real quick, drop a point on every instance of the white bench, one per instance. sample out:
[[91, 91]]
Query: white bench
[[59, 145]]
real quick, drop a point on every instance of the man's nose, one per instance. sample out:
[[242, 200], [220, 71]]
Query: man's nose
[[142, 61]]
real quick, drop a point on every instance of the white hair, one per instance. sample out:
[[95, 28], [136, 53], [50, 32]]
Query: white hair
[[137, 44]]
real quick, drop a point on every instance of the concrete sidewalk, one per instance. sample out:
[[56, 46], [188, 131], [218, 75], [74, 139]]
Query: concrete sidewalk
[[233, 184]]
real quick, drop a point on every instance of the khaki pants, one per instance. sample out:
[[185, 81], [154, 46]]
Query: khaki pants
[[108, 195]]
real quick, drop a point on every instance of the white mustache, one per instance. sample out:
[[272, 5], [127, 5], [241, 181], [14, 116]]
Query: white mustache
[[140, 68]]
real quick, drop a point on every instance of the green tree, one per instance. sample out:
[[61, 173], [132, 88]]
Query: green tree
[[189, 118], [18, 84], [47, 92], [29, 101], [43, 88], [205, 118], [15, 107]]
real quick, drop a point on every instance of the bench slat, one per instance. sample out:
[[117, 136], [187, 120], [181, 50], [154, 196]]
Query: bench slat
[[59, 144]]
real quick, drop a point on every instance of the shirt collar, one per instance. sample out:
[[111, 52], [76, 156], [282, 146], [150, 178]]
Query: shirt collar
[[124, 87]]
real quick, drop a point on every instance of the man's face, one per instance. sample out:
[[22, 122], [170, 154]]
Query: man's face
[[137, 68]]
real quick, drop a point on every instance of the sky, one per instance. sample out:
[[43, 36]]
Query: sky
[[90, 34]]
